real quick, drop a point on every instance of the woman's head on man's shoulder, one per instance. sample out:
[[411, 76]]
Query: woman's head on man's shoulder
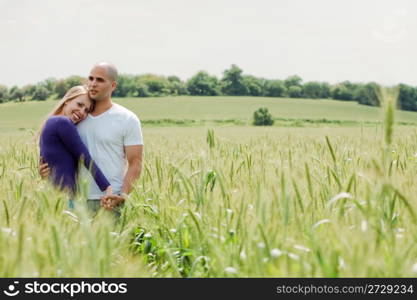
[[75, 105]]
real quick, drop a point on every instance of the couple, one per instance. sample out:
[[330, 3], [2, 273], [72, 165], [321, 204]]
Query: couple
[[107, 138]]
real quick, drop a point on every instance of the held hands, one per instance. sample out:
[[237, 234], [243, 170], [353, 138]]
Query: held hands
[[109, 201]]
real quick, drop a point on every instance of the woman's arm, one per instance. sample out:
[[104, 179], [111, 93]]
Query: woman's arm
[[69, 135]]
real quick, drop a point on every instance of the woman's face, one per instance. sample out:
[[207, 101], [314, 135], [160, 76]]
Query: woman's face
[[77, 109]]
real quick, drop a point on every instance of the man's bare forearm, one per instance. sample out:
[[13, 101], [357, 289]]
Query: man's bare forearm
[[132, 174]]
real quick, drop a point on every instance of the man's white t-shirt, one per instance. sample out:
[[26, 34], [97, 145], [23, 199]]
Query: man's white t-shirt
[[105, 137]]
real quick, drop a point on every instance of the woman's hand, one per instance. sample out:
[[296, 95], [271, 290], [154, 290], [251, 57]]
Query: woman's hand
[[44, 170]]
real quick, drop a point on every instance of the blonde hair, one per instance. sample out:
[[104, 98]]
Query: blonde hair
[[71, 94]]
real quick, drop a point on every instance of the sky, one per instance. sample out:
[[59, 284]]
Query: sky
[[320, 40]]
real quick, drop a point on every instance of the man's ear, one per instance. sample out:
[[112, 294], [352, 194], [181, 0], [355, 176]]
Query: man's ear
[[113, 85]]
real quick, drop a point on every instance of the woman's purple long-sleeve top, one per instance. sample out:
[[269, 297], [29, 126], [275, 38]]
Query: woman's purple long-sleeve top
[[61, 147]]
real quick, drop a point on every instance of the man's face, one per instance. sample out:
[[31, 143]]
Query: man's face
[[100, 86]]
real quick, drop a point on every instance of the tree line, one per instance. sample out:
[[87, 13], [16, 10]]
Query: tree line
[[232, 83]]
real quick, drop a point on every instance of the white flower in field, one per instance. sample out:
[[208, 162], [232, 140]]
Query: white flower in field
[[414, 268], [229, 211], [243, 255], [197, 215], [342, 263], [293, 256], [173, 230], [302, 248], [73, 216], [230, 270], [8, 230], [276, 252], [261, 245], [324, 221], [342, 195], [148, 235], [364, 225]]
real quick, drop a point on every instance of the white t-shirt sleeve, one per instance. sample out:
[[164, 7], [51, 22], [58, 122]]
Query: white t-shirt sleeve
[[133, 133]]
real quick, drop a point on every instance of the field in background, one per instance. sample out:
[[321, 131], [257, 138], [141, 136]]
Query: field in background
[[225, 201], [205, 110]]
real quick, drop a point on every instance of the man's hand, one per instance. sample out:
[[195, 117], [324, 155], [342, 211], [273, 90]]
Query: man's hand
[[110, 202], [44, 170]]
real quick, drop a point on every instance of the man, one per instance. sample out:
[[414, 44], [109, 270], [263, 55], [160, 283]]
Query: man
[[113, 137]]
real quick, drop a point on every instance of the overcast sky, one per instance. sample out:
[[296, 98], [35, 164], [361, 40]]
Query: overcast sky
[[323, 40]]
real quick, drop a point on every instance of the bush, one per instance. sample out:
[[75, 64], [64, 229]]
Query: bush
[[262, 117]]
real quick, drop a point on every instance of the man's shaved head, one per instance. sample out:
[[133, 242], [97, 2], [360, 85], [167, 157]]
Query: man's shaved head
[[110, 68]]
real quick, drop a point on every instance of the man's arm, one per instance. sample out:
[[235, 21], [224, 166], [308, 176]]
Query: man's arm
[[134, 159]]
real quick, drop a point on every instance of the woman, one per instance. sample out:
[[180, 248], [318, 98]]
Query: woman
[[61, 146]]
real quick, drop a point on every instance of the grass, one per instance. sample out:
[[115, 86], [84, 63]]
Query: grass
[[228, 201]]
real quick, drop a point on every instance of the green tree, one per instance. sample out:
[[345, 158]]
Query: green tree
[[61, 88], [407, 98], [176, 86], [367, 94], [173, 78], [316, 90], [295, 91], [16, 94], [40, 93], [75, 80], [63, 85], [275, 88], [262, 117], [203, 84], [232, 82], [345, 91], [49, 84], [293, 80], [28, 91], [155, 85], [125, 86], [4, 94], [254, 85]]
